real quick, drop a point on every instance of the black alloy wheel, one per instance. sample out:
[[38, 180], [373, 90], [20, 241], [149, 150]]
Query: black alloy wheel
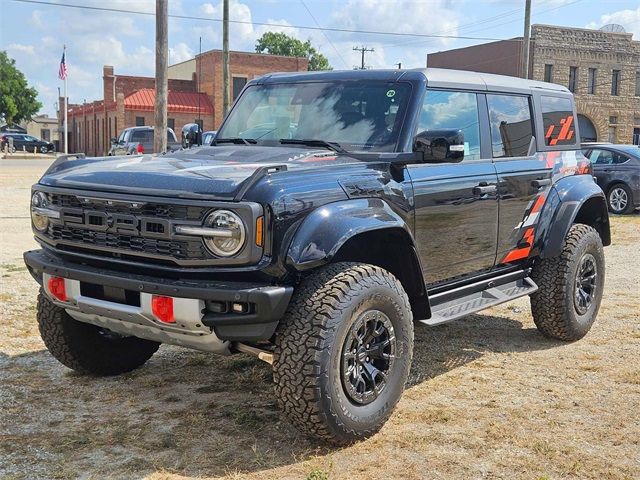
[[367, 356]]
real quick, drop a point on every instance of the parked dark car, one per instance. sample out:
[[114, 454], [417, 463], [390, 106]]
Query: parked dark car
[[335, 213], [138, 140], [617, 170], [26, 142]]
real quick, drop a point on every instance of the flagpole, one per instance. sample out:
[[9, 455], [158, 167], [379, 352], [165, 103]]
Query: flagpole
[[66, 108]]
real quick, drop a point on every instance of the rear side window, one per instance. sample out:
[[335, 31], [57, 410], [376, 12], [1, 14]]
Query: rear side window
[[558, 121], [511, 126], [142, 136]]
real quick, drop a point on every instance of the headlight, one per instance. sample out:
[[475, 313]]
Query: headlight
[[230, 235], [39, 204]]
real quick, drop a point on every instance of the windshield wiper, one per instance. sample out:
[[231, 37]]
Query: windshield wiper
[[314, 143], [236, 140]]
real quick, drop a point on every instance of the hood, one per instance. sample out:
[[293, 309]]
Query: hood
[[212, 172]]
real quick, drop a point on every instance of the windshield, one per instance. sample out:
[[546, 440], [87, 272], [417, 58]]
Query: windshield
[[357, 115]]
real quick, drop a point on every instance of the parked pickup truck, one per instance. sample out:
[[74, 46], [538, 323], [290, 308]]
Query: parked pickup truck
[[334, 213], [138, 140]]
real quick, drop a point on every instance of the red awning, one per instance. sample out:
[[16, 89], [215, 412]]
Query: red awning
[[179, 102]]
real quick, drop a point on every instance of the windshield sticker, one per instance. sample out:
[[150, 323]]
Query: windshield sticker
[[391, 93]]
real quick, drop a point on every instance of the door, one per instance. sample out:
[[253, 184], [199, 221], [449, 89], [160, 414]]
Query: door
[[456, 205], [525, 177]]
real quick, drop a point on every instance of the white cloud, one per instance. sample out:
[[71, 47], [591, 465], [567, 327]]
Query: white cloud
[[180, 53], [17, 49], [629, 19]]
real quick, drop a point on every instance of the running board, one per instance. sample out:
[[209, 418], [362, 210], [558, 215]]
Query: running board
[[460, 302]]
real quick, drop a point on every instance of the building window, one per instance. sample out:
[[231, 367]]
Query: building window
[[511, 125], [171, 123], [548, 72], [573, 78], [591, 81], [615, 82], [612, 135], [139, 121], [238, 85], [638, 84], [45, 134], [613, 119], [636, 136]]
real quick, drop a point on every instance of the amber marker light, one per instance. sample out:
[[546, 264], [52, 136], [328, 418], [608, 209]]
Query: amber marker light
[[260, 231]]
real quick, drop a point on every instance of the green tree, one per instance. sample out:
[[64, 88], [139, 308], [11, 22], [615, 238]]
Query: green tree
[[277, 43], [18, 101]]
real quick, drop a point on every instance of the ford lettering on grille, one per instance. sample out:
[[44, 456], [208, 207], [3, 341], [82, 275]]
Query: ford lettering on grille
[[117, 223]]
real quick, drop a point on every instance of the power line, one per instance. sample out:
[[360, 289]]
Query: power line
[[245, 22], [324, 34]]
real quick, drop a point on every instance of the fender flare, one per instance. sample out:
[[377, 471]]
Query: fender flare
[[320, 236], [574, 193]]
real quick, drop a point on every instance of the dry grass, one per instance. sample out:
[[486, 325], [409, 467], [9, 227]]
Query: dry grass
[[488, 397]]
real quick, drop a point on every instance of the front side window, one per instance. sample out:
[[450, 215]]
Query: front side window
[[511, 126], [453, 110], [358, 115], [601, 157], [558, 121]]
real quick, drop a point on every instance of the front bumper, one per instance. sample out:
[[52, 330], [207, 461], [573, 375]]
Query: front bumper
[[267, 303]]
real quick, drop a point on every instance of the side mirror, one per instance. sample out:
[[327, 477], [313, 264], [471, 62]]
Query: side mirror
[[114, 140], [439, 146]]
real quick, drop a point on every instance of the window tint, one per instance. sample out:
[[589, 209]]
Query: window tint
[[511, 127], [558, 122], [456, 110], [142, 136]]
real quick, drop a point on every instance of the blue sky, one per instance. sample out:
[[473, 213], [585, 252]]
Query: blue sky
[[126, 41]]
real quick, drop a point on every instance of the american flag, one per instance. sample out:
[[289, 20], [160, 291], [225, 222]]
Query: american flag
[[62, 71]]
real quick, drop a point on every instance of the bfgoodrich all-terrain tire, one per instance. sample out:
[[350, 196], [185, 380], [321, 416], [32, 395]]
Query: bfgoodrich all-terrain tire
[[343, 352], [569, 286], [86, 348]]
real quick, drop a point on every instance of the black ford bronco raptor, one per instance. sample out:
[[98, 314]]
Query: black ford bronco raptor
[[332, 211]]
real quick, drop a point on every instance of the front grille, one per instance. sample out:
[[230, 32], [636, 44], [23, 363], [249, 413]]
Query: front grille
[[147, 209], [183, 250], [138, 228]]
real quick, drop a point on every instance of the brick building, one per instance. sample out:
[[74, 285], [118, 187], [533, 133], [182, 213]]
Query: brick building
[[602, 68], [243, 66], [130, 100]]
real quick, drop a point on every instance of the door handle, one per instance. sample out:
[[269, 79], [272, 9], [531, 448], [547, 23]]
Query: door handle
[[483, 189], [541, 182]]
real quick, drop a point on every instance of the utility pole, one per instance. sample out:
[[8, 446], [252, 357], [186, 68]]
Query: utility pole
[[526, 39], [225, 56], [162, 83], [363, 50]]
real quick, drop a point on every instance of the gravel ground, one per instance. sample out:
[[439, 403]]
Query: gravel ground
[[488, 396]]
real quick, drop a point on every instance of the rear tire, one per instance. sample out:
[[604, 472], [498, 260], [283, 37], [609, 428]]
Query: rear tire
[[620, 199], [343, 352], [87, 348], [570, 286]]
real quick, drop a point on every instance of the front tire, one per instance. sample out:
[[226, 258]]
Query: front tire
[[44, 149], [570, 286], [620, 199], [87, 348], [343, 352]]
